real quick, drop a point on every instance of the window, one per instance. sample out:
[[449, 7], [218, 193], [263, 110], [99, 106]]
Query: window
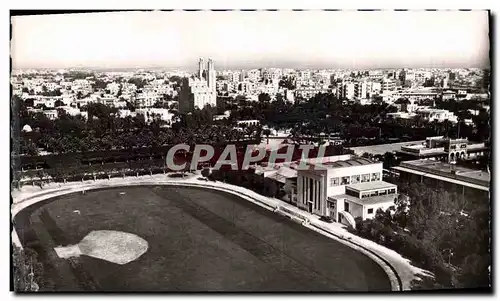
[[370, 211], [345, 180], [355, 179], [346, 206], [392, 191], [374, 193], [334, 182], [375, 176], [382, 192], [365, 178]]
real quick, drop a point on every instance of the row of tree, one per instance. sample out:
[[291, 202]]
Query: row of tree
[[326, 113]]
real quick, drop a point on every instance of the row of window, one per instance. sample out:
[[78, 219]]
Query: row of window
[[378, 192], [355, 179]]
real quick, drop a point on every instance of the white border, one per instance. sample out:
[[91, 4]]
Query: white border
[[220, 4]]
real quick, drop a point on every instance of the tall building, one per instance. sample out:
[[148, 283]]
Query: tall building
[[199, 91], [360, 90], [345, 90]]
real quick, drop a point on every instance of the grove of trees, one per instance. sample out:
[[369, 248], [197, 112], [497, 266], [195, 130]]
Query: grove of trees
[[443, 232]]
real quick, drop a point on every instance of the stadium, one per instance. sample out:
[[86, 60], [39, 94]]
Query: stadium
[[185, 239]]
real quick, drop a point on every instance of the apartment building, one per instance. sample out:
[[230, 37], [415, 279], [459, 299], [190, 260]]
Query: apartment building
[[345, 90], [360, 90], [387, 86], [253, 75]]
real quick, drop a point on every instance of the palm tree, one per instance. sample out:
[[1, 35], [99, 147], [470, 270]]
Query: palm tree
[[266, 133]]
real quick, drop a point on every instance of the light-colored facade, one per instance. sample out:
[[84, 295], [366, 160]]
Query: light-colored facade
[[360, 90], [450, 150], [310, 92], [344, 188], [151, 114], [437, 114], [387, 85], [199, 91], [345, 90]]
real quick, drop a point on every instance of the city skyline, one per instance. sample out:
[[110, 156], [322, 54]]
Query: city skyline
[[282, 39]]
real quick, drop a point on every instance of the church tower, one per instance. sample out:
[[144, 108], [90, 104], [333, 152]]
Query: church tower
[[201, 68], [211, 76]]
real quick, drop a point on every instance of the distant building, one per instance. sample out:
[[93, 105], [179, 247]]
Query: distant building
[[438, 115], [345, 90], [445, 149], [199, 91], [51, 114], [248, 123], [310, 92], [387, 85], [417, 95], [253, 75], [360, 90], [151, 114]]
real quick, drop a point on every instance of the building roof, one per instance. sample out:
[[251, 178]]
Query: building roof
[[380, 199], [282, 174], [382, 148], [348, 163], [370, 186], [447, 172]]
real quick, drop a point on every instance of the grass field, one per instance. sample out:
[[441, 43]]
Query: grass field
[[199, 240]]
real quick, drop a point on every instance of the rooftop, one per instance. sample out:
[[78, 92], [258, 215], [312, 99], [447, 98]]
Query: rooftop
[[446, 170], [380, 199], [381, 148], [350, 162], [370, 186]]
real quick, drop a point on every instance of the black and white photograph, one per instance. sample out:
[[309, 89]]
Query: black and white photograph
[[251, 151]]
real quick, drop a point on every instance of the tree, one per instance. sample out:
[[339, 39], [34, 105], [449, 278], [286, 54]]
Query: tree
[[264, 97], [27, 270], [130, 106]]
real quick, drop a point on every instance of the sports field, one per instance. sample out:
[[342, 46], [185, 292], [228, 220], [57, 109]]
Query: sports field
[[198, 240]]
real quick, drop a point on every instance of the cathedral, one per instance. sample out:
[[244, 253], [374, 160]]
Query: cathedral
[[198, 91]]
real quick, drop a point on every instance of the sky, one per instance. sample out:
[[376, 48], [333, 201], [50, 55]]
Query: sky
[[253, 39]]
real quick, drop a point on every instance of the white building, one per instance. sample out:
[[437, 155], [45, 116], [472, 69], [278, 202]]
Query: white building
[[113, 88], [51, 114], [155, 113], [437, 114], [253, 75], [310, 92], [360, 90], [147, 99], [70, 110], [344, 187], [253, 122], [388, 85], [199, 91], [345, 90]]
